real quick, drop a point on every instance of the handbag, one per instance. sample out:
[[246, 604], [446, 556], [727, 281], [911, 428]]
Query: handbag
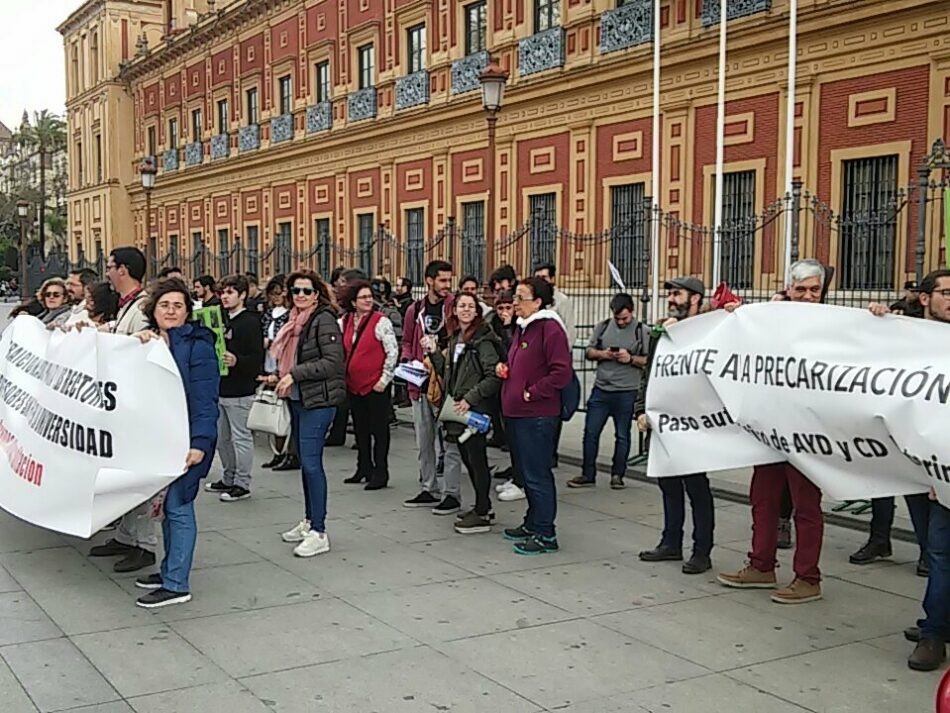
[[269, 413]]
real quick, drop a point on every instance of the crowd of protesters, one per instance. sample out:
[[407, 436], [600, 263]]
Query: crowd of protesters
[[502, 356]]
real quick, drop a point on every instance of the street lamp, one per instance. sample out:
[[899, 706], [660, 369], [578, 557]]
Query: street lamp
[[22, 211], [493, 79], [147, 171]]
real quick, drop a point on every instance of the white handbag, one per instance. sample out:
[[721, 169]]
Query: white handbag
[[269, 413]]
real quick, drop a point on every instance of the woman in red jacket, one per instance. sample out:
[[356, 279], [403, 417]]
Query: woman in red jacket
[[371, 354]]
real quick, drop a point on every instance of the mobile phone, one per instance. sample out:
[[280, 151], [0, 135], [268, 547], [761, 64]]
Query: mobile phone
[[614, 349]]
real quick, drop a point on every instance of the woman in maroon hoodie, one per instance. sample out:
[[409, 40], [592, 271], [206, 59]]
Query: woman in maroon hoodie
[[539, 367]]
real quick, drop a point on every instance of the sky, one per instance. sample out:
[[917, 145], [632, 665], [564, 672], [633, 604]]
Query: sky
[[31, 54]]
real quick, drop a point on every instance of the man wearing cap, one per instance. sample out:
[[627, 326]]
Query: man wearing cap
[[684, 298], [909, 304]]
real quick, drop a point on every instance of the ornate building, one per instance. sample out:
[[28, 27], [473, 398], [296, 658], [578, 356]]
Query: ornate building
[[353, 131]]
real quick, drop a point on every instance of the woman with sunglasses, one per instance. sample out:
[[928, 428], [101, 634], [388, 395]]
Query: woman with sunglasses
[[52, 295], [308, 351]]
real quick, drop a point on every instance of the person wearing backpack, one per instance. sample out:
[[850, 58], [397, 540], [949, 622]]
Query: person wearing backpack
[[618, 346], [538, 370]]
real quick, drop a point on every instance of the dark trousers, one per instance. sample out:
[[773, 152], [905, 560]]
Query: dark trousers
[[602, 405], [675, 490], [475, 457], [766, 496], [532, 450], [337, 434], [371, 427], [936, 621], [882, 518], [785, 509]]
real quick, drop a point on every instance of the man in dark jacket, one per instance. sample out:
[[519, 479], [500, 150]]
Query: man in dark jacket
[[684, 299], [403, 296], [244, 357]]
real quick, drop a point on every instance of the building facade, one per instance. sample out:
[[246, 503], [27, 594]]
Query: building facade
[[352, 132]]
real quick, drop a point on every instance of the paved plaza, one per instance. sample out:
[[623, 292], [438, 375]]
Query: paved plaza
[[405, 615]]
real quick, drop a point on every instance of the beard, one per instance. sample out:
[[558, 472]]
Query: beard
[[678, 311]]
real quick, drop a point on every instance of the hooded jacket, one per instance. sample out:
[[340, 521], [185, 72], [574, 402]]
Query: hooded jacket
[[539, 362]]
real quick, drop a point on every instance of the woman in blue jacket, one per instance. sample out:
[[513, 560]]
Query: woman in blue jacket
[[192, 345]]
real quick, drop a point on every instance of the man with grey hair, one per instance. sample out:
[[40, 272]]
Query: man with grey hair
[[807, 283]]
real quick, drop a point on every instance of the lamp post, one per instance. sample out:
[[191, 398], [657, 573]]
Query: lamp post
[[147, 171], [22, 210], [493, 79]]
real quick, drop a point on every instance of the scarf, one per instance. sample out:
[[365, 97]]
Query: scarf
[[284, 348]]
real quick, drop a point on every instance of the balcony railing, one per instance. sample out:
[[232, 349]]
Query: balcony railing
[[249, 138], [319, 117], [627, 26], [170, 160], [361, 104], [220, 146], [281, 128], [412, 90], [542, 51], [465, 72], [734, 9], [194, 153]]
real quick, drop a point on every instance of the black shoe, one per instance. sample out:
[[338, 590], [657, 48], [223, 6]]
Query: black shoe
[[697, 564], [536, 545], [423, 500], [275, 461], [134, 561], [928, 655], [356, 479], [289, 463], [162, 598], [448, 506], [376, 485], [873, 550], [462, 515], [111, 548], [912, 634], [662, 553], [923, 567], [473, 523], [235, 493], [149, 581], [517, 534], [218, 486]]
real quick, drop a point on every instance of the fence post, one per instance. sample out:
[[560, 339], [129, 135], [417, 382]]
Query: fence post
[[647, 257], [796, 218], [450, 233], [923, 179]]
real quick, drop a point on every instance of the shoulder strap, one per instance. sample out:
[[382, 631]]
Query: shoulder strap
[[364, 323], [599, 334]]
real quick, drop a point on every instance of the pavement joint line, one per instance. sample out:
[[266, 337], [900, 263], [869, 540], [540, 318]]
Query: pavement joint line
[[241, 679]]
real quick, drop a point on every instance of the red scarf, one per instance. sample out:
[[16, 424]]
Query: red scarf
[[284, 348]]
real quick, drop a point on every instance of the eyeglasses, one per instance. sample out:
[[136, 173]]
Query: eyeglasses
[[519, 298], [943, 293], [302, 291], [47, 295]]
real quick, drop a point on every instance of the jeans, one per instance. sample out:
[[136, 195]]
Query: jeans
[[532, 442], [936, 622], [475, 458], [310, 426], [617, 405], [371, 426], [766, 496], [235, 441], [696, 486], [882, 518], [180, 531]]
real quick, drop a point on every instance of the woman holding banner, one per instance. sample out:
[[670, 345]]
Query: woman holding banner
[[168, 311]]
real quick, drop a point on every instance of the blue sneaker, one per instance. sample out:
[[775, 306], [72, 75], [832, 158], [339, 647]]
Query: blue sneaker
[[536, 545]]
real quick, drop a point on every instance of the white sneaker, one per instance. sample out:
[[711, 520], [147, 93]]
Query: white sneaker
[[502, 487], [512, 492], [298, 533], [314, 543]]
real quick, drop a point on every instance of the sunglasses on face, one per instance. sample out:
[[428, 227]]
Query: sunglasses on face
[[302, 291], [53, 294]]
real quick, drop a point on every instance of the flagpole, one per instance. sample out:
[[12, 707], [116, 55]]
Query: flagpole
[[790, 130], [720, 137], [655, 155]]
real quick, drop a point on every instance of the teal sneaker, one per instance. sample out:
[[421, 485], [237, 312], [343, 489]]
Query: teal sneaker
[[536, 545]]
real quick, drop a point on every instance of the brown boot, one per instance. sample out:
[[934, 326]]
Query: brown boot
[[798, 592], [748, 578], [928, 655]]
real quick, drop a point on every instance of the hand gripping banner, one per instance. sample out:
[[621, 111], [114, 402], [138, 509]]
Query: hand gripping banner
[[860, 404], [91, 425]]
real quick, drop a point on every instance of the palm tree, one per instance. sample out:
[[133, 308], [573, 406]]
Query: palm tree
[[46, 135]]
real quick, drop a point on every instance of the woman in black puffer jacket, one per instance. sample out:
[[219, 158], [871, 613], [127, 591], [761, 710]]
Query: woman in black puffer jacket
[[310, 373]]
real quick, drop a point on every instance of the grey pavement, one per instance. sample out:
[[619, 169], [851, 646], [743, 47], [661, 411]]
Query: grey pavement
[[405, 615]]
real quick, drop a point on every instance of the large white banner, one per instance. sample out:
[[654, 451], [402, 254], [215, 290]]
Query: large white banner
[[860, 404], [91, 425]]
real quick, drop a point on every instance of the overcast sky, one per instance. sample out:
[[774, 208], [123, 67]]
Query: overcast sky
[[31, 55]]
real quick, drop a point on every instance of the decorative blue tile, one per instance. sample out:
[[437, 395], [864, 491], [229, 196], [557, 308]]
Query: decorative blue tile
[[627, 26], [542, 51], [319, 117], [361, 104], [412, 90]]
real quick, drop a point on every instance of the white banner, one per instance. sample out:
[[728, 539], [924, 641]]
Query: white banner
[[858, 403], [91, 425]]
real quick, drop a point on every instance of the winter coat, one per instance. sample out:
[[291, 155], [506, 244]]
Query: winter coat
[[320, 369], [539, 362], [472, 376]]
